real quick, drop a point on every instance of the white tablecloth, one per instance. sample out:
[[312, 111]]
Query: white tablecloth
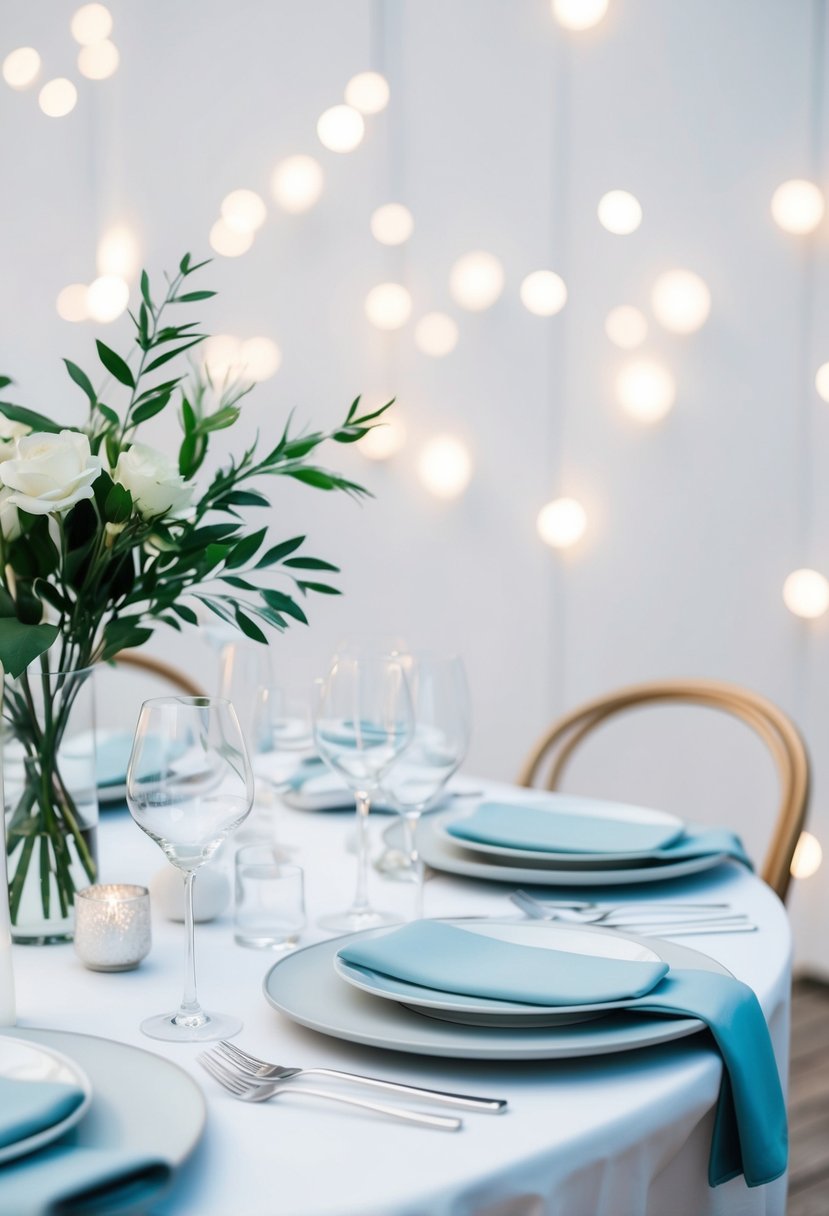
[[618, 1136]]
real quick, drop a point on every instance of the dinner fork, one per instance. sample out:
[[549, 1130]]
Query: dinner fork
[[633, 914], [689, 927], [251, 1066], [251, 1089]]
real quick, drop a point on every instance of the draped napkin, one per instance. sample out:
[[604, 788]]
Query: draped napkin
[[29, 1107], [69, 1180], [520, 826], [750, 1130]]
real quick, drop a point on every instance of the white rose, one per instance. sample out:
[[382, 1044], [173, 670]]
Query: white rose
[[50, 473], [153, 480], [10, 432], [9, 518]]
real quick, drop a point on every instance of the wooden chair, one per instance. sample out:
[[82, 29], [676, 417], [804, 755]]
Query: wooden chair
[[156, 667], [554, 750]]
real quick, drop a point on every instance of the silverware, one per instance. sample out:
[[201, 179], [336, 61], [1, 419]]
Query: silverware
[[251, 1089], [581, 905], [251, 1066], [689, 930], [670, 926], [617, 914]]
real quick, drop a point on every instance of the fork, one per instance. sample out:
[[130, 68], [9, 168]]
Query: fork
[[684, 927], [586, 916], [250, 1066], [251, 1089]]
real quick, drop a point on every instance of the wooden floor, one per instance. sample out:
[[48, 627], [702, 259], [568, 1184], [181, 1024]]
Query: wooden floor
[[809, 1101]]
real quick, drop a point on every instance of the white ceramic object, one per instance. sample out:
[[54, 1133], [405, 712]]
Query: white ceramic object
[[211, 894]]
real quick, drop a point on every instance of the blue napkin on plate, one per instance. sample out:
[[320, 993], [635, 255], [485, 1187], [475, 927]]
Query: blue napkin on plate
[[441, 956], [70, 1180], [29, 1107], [525, 827]]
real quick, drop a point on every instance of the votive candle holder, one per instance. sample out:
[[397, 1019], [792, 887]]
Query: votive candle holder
[[112, 926]]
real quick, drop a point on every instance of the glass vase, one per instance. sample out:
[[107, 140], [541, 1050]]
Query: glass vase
[[51, 799]]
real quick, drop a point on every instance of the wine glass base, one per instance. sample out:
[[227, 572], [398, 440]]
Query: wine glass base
[[396, 865], [353, 921], [217, 1026]]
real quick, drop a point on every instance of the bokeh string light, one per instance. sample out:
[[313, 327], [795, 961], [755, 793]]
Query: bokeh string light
[[296, 183], [476, 280], [646, 390], [806, 593], [21, 68], [681, 301], [58, 97], [341, 128], [626, 326], [444, 466], [561, 523], [436, 334]]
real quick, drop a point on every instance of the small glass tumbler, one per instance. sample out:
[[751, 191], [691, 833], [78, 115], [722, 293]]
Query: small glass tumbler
[[270, 900], [112, 926]]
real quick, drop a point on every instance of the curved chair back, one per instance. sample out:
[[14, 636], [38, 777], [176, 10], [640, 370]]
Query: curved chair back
[[164, 671], [782, 738]]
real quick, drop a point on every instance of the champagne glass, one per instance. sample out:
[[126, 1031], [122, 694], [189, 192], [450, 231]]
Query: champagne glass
[[189, 784], [442, 717], [362, 723]]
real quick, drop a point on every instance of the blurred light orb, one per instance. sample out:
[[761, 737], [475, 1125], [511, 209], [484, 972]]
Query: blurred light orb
[[626, 326], [58, 97], [561, 523], [91, 23], [384, 440], [797, 206], [543, 293], [476, 280], [21, 67], [806, 593], [436, 334], [296, 183], [388, 305], [243, 210], [367, 92], [392, 224], [221, 357], [341, 129], [822, 381], [620, 212], [259, 359], [229, 242], [807, 857], [579, 14], [444, 466], [99, 60], [118, 252], [646, 390], [72, 302], [681, 301], [107, 297]]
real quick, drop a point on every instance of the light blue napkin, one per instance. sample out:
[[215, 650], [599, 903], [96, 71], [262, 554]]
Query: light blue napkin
[[359, 734], [441, 956], [525, 827], [29, 1107], [69, 1180], [584, 830]]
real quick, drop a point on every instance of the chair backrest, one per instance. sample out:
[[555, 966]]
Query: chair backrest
[[156, 667], [554, 750]]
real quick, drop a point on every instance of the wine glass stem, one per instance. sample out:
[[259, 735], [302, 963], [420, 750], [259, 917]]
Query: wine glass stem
[[361, 903], [411, 821], [190, 1011]]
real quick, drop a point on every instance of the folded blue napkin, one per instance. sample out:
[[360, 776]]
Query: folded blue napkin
[[441, 956], [29, 1107], [525, 827], [69, 1180], [359, 734]]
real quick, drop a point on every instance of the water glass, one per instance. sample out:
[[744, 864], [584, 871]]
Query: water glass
[[270, 900]]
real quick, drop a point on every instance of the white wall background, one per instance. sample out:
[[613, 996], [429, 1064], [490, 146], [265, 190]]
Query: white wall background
[[502, 133]]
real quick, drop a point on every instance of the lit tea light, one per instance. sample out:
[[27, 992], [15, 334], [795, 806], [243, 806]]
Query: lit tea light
[[112, 926]]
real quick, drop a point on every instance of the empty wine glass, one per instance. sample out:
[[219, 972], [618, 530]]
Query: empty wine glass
[[362, 724], [442, 716], [189, 784], [284, 755]]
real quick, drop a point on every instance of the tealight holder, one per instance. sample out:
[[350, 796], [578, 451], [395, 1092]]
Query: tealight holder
[[112, 926]]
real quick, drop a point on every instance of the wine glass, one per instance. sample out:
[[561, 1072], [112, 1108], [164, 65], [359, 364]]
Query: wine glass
[[284, 756], [243, 667], [362, 723], [442, 717], [189, 784]]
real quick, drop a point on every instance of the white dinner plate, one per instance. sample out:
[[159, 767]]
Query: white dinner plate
[[24, 1061], [441, 852], [568, 804], [490, 1011], [140, 1101], [305, 988]]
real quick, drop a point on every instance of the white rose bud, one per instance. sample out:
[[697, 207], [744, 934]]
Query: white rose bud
[[10, 432], [153, 480], [48, 473], [9, 518]]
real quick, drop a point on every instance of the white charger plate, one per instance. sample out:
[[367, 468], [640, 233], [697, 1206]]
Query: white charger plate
[[490, 1011], [441, 852], [567, 804], [24, 1061], [140, 1101], [305, 988]]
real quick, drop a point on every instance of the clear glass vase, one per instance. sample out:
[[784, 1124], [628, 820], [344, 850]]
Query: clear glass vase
[[51, 799]]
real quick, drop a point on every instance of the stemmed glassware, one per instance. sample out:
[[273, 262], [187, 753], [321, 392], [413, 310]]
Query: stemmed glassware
[[442, 720], [363, 722], [189, 784], [284, 755]]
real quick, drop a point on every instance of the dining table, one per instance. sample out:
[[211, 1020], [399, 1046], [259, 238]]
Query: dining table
[[624, 1134]]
